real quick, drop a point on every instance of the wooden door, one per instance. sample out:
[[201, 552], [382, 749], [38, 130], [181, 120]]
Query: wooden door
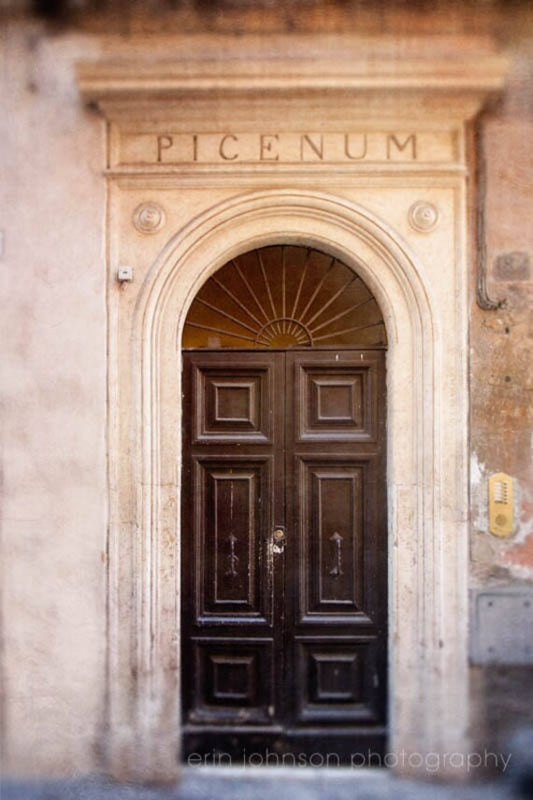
[[284, 574]]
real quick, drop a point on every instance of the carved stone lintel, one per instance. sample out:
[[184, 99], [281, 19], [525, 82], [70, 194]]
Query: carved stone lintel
[[149, 218]]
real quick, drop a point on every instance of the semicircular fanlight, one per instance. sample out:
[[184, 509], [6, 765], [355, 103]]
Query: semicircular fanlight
[[284, 296]]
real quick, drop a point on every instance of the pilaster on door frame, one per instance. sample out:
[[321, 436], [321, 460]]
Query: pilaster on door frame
[[380, 181]]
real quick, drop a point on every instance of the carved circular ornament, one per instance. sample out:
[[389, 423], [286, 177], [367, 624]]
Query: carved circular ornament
[[148, 218], [423, 216]]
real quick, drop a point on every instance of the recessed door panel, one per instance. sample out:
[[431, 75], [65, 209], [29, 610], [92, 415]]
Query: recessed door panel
[[232, 404], [232, 681], [336, 403], [338, 682], [229, 550], [331, 536]]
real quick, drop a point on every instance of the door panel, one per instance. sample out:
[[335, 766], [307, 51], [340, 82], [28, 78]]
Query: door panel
[[284, 552], [335, 402], [233, 472], [335, 683], [228, 556], [233, 681], [234, 404], [331, 541]]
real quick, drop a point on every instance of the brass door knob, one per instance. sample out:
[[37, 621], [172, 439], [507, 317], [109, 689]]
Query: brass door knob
[[278, 536]]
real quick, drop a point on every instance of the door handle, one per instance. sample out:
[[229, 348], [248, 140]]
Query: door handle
[[278, 540]]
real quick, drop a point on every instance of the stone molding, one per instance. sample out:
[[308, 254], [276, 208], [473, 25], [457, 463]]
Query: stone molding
[[362, 65]]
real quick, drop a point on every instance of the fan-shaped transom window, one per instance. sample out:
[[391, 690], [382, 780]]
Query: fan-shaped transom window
[[284, 296]]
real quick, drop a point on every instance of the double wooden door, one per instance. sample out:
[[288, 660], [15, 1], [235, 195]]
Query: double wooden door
[[284, 567]]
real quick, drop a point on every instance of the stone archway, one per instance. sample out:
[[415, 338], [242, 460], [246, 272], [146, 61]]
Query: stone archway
[[427, 539]]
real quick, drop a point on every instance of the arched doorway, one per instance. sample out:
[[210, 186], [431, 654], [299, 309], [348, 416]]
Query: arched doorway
[[284, 546], [426, 384]]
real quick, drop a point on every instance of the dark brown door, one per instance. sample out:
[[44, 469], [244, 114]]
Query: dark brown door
[[284, 573]]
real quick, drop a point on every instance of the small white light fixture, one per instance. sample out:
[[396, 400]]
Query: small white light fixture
[[124, 274]]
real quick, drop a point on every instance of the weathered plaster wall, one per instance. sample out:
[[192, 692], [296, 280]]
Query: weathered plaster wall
[[54, 511], [53, 337], [501, 340], [501, 388]]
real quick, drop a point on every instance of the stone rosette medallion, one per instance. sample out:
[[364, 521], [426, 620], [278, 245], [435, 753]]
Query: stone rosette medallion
[[149, 218], [423, 216]]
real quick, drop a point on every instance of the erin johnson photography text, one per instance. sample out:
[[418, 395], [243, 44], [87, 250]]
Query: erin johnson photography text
[[403, 759]]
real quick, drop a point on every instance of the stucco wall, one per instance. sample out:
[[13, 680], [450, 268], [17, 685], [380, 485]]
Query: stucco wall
[[54, 411], [53, 322]]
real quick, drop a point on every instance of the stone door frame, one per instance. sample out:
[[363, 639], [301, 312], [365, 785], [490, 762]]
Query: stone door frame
[[427, 533]]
